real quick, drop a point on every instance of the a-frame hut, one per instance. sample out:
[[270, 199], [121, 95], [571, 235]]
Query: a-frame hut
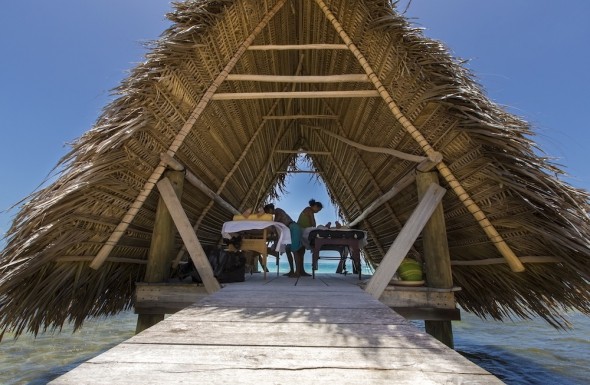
[[233, 91]]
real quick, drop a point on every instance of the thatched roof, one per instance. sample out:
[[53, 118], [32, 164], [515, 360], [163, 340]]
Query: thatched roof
[[504, 201]]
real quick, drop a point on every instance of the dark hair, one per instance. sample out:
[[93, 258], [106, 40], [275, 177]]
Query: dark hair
[[269, 207], [312, 202]]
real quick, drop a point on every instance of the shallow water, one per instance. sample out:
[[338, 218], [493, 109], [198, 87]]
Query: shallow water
[[526, 352], [523, 352]]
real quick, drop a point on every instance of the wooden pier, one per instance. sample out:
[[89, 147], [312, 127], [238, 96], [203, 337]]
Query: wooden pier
[[282, 331]]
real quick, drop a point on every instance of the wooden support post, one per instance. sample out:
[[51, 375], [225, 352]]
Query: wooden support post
[[161, 248], [404, 241], [188, 236], [437, 260]]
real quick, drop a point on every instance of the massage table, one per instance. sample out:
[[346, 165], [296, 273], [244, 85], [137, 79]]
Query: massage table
[[256, 231], [341, 240]]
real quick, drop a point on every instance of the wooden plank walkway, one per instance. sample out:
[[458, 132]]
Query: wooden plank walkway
[[282, 331]]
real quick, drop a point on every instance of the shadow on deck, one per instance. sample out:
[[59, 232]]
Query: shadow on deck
[[282, 330]]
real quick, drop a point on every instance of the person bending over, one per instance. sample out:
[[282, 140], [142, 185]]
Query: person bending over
[[281, 216], [306, 219]]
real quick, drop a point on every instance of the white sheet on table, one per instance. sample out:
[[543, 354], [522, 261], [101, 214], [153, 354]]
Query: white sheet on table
[[232, 228]]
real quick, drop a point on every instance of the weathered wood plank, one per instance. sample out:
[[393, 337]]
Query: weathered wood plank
[[166, 292], [407, 298], [299, 301], [170, 374], [429, 313], [291, 357], [285, 334], [255, 343], [314, 315]]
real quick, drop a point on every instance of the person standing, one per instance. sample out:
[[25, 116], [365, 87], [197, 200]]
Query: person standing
[[281, 216], [306, 219]]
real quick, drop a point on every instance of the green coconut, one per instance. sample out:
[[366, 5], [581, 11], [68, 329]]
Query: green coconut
[[410, 270]]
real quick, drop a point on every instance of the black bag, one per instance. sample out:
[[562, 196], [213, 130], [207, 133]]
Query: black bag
[[227, 266], [232, 267]]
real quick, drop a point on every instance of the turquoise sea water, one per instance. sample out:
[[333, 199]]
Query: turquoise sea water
[[521, 352]]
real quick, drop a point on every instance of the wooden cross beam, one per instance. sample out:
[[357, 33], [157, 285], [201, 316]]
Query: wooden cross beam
[[404, 241], [188, 235]]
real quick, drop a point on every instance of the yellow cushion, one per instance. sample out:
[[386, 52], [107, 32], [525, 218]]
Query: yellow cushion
[[253, 217]]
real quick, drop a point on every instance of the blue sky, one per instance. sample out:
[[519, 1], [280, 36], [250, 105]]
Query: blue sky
[[60, 59]]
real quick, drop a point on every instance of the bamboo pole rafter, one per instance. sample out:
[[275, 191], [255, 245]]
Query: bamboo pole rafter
[[444, 170], [179, 139]]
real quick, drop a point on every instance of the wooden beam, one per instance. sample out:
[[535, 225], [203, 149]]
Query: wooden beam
[[397, 187], [171, 162], [431, 162], [303, 152], [345, 78], [166, 298], [498, 261], [163, 233], [437, 260], [89, 258], [407, 236], [286, 47], [286, 117], [161, 247], [195, 181], [134, 208], [382, 150], [188, 235], [429, 314], [299, 172], [419, 296], [296, 95]]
